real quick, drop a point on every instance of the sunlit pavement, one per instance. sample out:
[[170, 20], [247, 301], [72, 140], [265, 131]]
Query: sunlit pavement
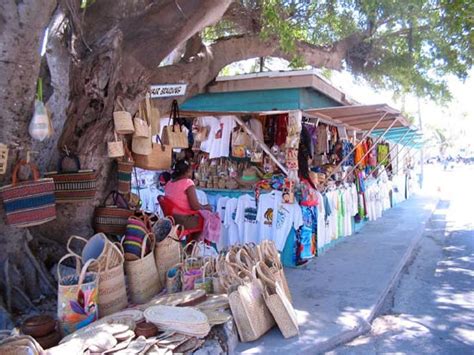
[[432, 310]]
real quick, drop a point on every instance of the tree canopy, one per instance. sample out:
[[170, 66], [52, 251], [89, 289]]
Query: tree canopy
[[406, 46]]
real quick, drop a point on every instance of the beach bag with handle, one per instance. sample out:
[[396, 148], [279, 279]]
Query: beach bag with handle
[[153, 115], [141, 124], [173, 134], [269, 255], [28, 203], [251, 314], [159, 158], [168, 252], [124, 170], [142, 275], [115, 148], [123, 120], [277, 302], [73, 186], [77, 296], [112, 218]]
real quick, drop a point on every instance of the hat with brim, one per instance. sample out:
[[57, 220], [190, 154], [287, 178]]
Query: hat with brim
[[248, 178]]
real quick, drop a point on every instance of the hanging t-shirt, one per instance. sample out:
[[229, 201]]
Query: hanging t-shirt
[[221, 138], [229, 221], [246, 219], [321, 236], [267, 205], [256, 127], [224, 239], [287, 216], [213, 124]]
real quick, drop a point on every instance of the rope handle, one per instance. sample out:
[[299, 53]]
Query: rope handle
[[68, 245], [67, 256], [33, 167]]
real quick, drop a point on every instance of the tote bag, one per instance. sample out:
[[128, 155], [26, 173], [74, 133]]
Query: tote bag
[[173, 134], [158, 159]]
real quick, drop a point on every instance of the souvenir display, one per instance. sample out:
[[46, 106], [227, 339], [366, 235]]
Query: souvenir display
[[173, 133]]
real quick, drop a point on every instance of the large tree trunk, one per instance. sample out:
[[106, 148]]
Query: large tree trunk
[[91, 60]]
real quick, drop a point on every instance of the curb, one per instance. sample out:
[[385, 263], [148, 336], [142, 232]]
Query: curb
[[365, 325]]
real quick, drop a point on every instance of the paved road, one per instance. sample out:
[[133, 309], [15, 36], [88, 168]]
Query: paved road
[[432, 310]]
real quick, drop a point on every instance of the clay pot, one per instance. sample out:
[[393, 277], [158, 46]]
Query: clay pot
[[50, 340], [38, 326], [146, 329]]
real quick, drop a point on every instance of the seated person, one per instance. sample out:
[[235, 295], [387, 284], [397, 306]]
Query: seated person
[[182, 192]]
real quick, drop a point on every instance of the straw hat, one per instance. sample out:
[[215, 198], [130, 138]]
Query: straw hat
[[249, 177]]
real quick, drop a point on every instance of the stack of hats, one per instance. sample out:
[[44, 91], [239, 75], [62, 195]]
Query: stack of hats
[[185, 320]]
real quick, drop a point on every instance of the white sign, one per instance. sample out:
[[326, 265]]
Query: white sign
[[167, 90]]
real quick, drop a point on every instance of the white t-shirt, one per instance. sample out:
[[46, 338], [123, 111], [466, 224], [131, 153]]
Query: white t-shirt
[[220, 209], [267, 206], [287, 216], [321, 232], [213, 124], [246, 219], [202, 197], [229, 221], [221, 139], [256, 127]]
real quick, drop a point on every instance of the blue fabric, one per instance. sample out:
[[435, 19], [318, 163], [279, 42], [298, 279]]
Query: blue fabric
[[289, 253], [308, 231]]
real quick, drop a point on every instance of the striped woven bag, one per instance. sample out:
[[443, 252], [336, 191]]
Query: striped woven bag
[[28, 203], [124, 170]]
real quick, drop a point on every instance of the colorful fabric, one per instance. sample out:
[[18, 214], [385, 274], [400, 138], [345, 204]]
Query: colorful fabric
[[308, 232], [176, 192], [212, 226]]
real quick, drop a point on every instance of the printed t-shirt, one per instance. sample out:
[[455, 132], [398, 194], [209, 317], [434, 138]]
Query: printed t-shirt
[[176, 192], [246, 219], [221, 139], [224, 239], [229, 221], [287, 216], [267, 205], [213, 124]]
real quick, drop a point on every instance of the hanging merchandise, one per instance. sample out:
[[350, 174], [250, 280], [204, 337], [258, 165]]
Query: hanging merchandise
[[141, 124], [200, 131], [123, 120], [173, 134], [124, 171], [31, 202], [240, 143], [40, 126], [153, 115], [168, 250], [3, 158], [289, 191], [73, 186], [159, 157], [256, 156], [112, 218], [77, 296], [115, 148]]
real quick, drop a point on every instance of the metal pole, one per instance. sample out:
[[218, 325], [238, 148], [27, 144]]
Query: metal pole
[[400, 150], [367, 153], [344, 159], [261, 144], [395, 155], [404, 156]]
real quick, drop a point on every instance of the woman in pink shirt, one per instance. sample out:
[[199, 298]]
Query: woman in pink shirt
[[181, 189]]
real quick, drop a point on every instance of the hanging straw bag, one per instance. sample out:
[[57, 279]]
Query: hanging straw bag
[[112, 218], [142, 145], [173, 134], [31, 202], [142, 275], [159, 158], [77, 297], [115, 148], [277, 302], [251, 314], [123, 120], [73, 186], [168, 252], [124, 170], [140, 122], [153, 115]]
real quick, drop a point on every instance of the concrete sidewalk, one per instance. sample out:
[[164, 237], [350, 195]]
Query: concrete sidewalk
[[338, 294]]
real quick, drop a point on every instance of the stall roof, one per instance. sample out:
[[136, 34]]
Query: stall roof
[[362, 117], [403, 135]]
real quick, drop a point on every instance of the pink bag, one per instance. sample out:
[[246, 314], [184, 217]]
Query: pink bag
[[212, 226]]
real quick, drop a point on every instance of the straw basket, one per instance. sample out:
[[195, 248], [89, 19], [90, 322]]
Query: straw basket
[[142, 275], [142, 129], [112, 289], [123, 120], [115, 148], [77, 297], [142, 145], [168, 252]]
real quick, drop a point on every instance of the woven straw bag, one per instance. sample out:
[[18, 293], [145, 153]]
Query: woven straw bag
[[112, 218], [168, 252], [277, 302], [142, 275], [173, 134], [115, 148], [204, 283], [77, 296], [153, 115], [173, 281], [140, 122], [123, 120], [124, 171], [160, 157], [142, 145], [112, 289], [269, 255]]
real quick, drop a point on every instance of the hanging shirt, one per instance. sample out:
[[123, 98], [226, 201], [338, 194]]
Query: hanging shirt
[[267, 206], [213, 124], [287, 216], [221, 138], [224, 239], [246, 219], [321, 222], [256, 127], [229, 221]]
